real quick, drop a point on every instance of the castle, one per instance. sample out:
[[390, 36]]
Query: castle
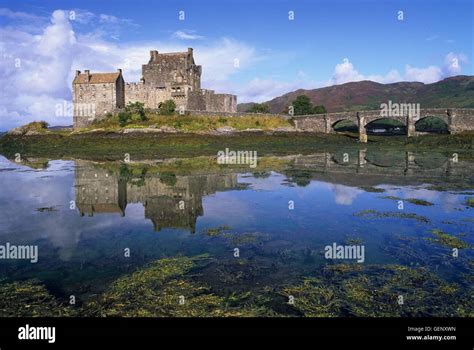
[[167, 76]]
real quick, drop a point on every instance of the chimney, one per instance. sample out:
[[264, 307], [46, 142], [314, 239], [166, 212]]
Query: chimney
[[190, 50], [78, 72], [153, 54], [119, 71], [88, 75]]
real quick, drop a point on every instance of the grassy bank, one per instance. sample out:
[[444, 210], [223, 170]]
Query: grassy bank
[[112, 146], [149, 146], [192, 123]]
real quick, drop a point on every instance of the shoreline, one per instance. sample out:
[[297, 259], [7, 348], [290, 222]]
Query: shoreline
[[113, 145]]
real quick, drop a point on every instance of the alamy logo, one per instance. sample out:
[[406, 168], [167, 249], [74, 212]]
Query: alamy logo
[[345, 252], [67, 109], [391, 109], [37, 333], [237, 157], [12, 252]]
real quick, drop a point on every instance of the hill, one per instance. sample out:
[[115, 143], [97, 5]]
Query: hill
[[455, 91]]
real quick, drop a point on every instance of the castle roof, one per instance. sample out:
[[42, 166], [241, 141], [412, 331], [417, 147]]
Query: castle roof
[[182, 53], [96, 78]]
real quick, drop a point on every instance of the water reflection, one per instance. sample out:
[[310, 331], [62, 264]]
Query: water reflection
[[83, 214], [175, 202]]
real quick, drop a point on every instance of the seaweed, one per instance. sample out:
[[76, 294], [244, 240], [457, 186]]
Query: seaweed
[[30, 299], [243, 238], [217, 230], [419, 202], [374, 291], [470, 202], [163, 290], [372, 189], [447, 240], [314, 298], [377, 214], [391, 197], [46, 209]]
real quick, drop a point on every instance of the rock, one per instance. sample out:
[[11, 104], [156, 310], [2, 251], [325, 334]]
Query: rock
[[17, 131], [150, 130], [253, 130], [31, 133], [225, 130], [139, 131], [168, 129], [284, 129], [93, 131], [23, 131]]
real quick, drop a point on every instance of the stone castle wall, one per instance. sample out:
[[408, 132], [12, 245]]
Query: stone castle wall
[[167, 76], [222, 102]]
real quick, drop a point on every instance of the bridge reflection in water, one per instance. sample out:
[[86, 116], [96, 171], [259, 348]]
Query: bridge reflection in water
[[177, 203]]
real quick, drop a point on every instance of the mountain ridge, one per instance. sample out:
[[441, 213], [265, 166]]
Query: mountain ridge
[[457, 91]]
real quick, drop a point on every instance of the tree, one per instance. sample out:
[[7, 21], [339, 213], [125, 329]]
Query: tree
[[302, 105], [259, 108], [167, 107], [124, 117], [136, 109], [320, 109]]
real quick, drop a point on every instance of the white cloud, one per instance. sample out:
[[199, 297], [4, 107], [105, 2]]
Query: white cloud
[[35, 71], [4, 12], [346, 72], [187, 35], [452, 63], [344, 195], [48, 60], [260, 90], [429, 74]]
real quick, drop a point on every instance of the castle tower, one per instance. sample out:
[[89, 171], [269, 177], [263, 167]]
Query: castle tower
[[175, 70]]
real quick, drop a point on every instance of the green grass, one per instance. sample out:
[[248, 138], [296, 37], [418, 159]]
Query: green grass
[[194, 123], [112, 146]]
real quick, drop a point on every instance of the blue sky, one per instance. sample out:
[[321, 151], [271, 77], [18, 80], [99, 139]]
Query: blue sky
[[328, 42]]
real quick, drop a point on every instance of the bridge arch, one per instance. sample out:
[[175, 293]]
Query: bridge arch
[[385, 126], [429, 160], [383, 160], [432, 124], [345, 125]]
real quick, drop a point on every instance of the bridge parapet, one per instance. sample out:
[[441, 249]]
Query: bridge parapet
[[456, 119]]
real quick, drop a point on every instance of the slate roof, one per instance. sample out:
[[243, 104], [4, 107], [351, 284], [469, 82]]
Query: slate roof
[[96, 78]]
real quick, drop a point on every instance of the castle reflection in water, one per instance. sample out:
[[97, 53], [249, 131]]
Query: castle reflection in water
[[176, 205], [176, 202]]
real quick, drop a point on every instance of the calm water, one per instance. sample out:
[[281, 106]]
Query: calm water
[[84, 216]]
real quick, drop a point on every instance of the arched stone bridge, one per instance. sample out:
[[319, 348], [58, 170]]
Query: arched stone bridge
[[456, 119]]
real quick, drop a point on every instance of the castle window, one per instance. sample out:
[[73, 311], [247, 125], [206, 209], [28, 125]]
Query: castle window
[[103, 95]]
